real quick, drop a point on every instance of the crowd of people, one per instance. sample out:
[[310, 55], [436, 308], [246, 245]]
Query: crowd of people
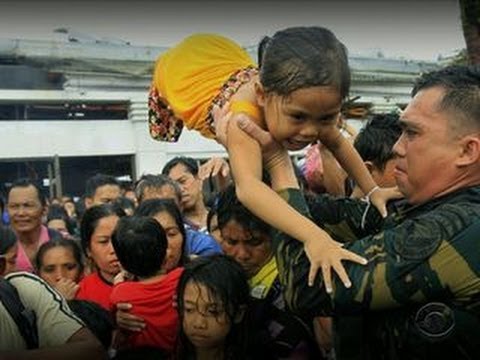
[[263, 265]]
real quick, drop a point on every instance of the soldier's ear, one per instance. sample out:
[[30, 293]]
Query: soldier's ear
[[469, 150]]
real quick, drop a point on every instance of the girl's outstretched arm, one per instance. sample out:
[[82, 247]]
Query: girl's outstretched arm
[[246, 165], [353, 164]]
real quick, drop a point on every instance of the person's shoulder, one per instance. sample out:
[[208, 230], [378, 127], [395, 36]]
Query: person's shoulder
[[24, 279]]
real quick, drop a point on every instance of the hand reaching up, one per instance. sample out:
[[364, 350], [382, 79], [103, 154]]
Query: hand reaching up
[[379, 197]]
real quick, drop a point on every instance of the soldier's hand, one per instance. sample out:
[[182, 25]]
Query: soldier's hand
[[127, 321]]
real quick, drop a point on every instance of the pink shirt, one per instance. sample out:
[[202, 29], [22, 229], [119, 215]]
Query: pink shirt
[[23, 262]]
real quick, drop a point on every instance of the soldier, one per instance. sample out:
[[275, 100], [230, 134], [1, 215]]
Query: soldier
[[419, 293]]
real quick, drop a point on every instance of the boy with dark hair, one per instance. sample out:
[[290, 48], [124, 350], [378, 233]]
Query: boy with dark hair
[[141, 247], [375, 143]]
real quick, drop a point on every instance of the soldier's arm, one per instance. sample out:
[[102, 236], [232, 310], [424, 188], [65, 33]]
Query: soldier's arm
[[420, 259], [345, 219]]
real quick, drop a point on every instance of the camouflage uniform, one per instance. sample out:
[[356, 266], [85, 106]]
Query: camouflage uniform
[[425, 254]]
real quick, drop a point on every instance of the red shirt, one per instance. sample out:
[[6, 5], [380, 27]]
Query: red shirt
[[154, 303], [94, 288]]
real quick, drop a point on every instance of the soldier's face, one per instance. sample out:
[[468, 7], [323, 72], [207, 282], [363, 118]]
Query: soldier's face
[[427, 150]]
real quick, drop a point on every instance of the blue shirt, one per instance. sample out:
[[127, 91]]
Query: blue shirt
[[199, 243]]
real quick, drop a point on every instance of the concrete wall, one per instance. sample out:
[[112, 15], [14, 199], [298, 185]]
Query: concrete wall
[[39, 139]]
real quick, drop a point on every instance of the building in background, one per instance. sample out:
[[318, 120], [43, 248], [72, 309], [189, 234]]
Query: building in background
[[69, 109]]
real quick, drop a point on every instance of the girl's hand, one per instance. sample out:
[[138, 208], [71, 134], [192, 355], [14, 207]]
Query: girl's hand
[[326, 254], [67, 288], [380, 196]]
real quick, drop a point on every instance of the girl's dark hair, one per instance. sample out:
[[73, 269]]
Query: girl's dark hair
[[227, 283], [140, 244], [7, 239], [91, 218], [69, 244], [301, 57], [152, 207], [261, 49]]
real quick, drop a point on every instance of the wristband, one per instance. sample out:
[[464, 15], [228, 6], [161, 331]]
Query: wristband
[[370, 193]]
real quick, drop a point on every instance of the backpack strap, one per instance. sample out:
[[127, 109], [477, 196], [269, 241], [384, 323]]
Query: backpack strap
[[24, 318]]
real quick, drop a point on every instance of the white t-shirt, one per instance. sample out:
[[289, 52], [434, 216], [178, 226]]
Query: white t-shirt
[[56, 323]]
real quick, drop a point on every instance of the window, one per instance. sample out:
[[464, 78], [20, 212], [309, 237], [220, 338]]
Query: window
[[64, 111]]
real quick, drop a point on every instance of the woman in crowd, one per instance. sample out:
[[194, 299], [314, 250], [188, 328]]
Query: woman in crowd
[[59, 262], [96, 229]]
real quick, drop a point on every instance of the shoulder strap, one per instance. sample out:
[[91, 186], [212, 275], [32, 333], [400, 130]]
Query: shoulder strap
[[24, 318]]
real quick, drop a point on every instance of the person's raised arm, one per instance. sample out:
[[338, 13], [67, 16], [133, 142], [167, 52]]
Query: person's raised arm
[[246, 165], [353, 164]]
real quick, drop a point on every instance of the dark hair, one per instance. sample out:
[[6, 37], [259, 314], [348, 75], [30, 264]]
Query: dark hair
[[156, 182], [97, 319], [91, 218], [227, 283], [190, 164], [261, 49], [58, 212], [230, 208], [26, 182], [7, 239], [461, 85], [60, 242], [98, 180], [300, 57], [125, 203], [152, 207], [140, 244], [211, 213], [375, 140], [80, 207]]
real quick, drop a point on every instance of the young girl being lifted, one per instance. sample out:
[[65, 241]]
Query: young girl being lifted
[[296, 94]]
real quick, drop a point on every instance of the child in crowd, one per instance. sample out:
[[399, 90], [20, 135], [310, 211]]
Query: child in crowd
[[297, 94], [141, 246], [8, 249], [213, 298]]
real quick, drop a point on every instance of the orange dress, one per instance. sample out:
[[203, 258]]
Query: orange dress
[[189, 78]]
